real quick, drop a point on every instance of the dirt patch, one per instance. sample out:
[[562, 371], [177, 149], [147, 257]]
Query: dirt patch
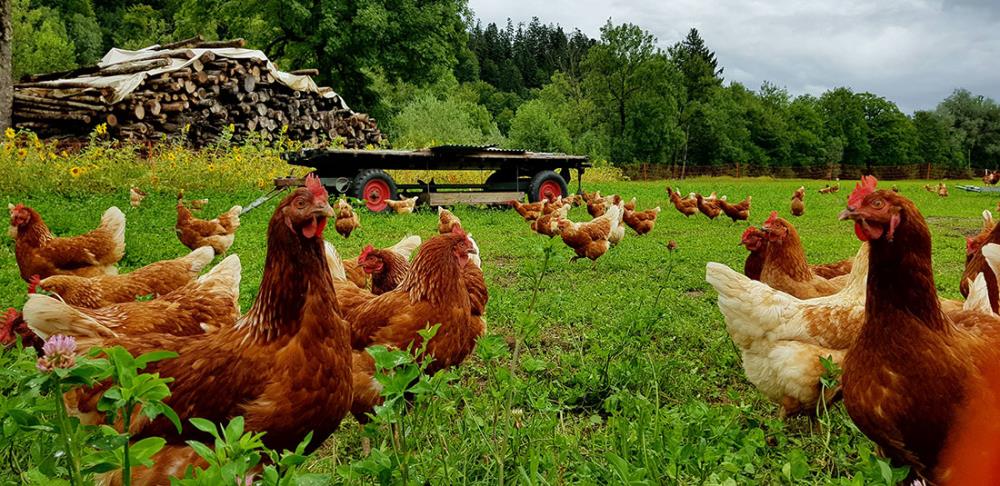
[[694, 294]]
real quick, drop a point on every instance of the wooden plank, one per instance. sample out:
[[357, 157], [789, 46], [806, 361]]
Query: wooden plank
[[450, 198]]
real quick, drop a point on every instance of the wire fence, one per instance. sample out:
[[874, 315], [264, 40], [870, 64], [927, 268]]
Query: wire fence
[[652, 172]]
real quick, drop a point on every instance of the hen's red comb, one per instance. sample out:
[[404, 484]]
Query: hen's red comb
[[10, 315], [863, 189], [33, 283], [773, 218], [316, 187], [19, 207], [364, 254], [749, 231]]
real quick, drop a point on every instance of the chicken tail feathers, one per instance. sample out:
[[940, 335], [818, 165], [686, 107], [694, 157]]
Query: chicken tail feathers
[[979, 296], [113, 221], [48, 316], [230, 220], [333, 261], [406, 246], [199, 259]]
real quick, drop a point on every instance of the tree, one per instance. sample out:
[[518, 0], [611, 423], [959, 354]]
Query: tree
[[628, 77], [415, 41], [844, 118], [612, 66], [534, 128], [6, 68], [934, 143], [701, 76], [975, 126], [697, 64], [891, 135]]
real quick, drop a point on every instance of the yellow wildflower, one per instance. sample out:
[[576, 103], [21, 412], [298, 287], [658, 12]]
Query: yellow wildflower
[[101, 129], [10, 133], [64, 154], [22, 153], [75, 172]]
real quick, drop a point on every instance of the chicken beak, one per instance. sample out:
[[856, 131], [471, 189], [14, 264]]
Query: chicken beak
[[324, 209], [846, 214]]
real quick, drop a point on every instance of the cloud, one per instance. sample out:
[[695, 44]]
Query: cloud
[[913, 52]]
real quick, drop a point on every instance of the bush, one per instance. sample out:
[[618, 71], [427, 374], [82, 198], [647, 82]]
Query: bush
[[429, 121], [534, 128]]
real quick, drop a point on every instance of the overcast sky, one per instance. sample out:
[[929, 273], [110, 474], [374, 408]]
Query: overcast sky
[[913, 52]]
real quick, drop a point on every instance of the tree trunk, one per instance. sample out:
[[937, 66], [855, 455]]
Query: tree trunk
[[6, 66]]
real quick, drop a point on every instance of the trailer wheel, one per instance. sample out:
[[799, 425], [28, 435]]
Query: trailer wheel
[[547, 185], [374, 186]]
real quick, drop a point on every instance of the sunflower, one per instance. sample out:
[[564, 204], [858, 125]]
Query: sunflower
[[9, 132], [75, 172]]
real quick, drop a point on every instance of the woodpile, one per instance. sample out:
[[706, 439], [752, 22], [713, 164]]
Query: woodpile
[[198, 101]]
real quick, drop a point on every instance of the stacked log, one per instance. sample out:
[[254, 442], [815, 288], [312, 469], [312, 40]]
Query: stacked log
[[200, 102]]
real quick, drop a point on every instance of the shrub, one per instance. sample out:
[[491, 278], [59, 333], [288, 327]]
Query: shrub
[[534, 128]]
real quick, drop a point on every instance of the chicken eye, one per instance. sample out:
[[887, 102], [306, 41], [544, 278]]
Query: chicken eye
[[301, 203], [877, 204]]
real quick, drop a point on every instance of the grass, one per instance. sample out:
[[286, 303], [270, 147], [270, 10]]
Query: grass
[[625, 372]]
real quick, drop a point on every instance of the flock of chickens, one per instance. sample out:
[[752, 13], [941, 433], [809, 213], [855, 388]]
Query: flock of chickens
[[294, 362], [593, 238], [920, 375]]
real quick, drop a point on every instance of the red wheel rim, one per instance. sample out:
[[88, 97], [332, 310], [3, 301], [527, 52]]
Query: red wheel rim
[[376, 192], [549, 190]]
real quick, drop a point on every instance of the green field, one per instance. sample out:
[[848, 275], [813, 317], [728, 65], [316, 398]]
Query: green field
[[625, 372]]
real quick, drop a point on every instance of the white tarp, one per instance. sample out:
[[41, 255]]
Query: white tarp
[[124, 84]]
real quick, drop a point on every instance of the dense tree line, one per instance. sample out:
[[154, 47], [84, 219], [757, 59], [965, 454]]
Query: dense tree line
[[432, 75]]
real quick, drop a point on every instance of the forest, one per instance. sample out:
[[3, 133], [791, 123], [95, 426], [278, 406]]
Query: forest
[[431, 73]]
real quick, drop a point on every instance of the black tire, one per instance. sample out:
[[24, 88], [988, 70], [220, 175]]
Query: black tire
[[541, 179], [367, 176]]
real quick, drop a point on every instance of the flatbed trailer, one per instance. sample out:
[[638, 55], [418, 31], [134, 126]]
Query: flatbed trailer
[[518, 173]]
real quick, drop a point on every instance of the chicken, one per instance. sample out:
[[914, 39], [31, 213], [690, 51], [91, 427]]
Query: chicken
[[641, 221], [574, 200], [285, 366], [199, 204], [618, 230], [388, 266], [433, 292], [785, 266], [447, 221], [781, 337], [755, 241], [991, 178], [631, 205], [928, 188], [529, 212], [590, 197], [347, 220], [218, 233], [913, 367], [135, 196], [942, 190], [355, 274], [405, 206], [39, 252], [548, 224], [708, 207], [976, 263], [157, 279], [14, 327], [828, 189], [597, 208], [798, 203], [202, 305], [590, 239], [737, 212], [687, 207]]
